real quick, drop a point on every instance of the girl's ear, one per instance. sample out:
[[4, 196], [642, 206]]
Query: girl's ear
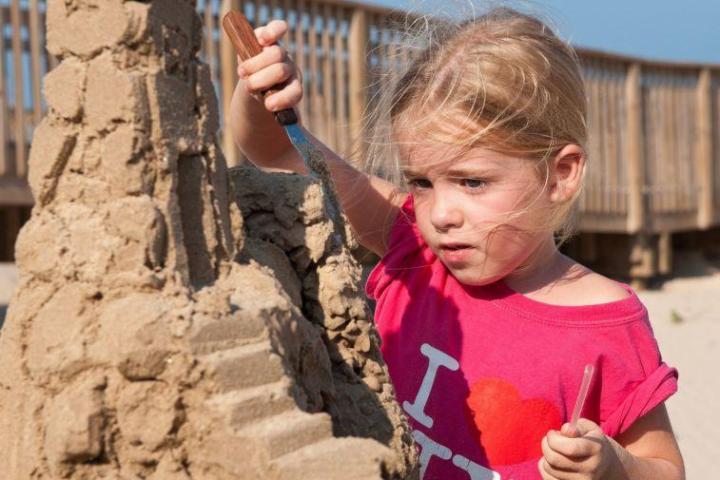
[[567, 172]]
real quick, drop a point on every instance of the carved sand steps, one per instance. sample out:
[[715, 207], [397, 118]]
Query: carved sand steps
[[289, 431], [254, 396], [242, 407], [298, 442], [346, 458], [245, 366]]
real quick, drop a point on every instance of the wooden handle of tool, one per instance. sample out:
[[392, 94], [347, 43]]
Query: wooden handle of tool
[[242, 36]]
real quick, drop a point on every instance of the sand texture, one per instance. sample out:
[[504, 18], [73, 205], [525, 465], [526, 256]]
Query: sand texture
[[685, 315], [169, 323]]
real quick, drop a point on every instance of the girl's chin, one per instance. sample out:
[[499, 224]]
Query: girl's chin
[[475, 278]]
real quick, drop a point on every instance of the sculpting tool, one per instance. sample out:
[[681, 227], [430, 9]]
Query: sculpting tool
[[582, 394], [242, 36]]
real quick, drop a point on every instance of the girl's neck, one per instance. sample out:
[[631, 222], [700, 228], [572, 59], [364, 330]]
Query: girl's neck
[[543, 269]]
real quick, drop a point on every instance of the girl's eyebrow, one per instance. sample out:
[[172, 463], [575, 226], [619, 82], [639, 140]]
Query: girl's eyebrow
[[452, 172], [408, 172], [468, 172]]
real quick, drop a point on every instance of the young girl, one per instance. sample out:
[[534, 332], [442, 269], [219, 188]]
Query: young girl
[[486, 326]]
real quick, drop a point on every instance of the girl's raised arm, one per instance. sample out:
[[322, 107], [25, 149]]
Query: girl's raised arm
[[369, 202]]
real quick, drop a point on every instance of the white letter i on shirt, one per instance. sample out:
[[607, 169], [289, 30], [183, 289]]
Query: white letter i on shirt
[[436, 359]]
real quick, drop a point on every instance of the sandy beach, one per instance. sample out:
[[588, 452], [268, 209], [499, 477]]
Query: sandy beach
[[685, 314]]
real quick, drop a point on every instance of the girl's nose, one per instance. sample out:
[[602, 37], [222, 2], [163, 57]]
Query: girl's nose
[[444, 214]]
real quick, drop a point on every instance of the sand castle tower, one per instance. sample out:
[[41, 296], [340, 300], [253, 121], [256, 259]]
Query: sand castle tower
[[174, 321]]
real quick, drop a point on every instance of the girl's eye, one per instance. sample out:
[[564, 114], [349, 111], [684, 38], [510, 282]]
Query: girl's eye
[[473, 183], [419, 183]]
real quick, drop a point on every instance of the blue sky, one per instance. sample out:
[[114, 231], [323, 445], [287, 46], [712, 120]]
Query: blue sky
[[682, 30]]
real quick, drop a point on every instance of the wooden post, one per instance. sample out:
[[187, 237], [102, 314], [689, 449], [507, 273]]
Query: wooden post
[[636, 220], [704, 150], [358, 76], [665, 253], [588, 247], [12, 227], [643, 259], [228, 63]]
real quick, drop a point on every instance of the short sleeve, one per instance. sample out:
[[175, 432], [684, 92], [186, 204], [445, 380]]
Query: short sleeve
[[636, 380], [406, 249]]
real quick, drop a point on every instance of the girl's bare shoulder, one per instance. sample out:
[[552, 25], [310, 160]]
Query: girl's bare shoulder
[[587, 287], [569, 283]]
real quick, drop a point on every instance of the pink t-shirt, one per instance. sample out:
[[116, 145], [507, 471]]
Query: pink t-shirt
[[484, 372]]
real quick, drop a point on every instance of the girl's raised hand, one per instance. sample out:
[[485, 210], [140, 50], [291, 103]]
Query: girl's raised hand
[[578, 453], [273, 68]]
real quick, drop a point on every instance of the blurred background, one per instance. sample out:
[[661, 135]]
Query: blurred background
[[650, 211]]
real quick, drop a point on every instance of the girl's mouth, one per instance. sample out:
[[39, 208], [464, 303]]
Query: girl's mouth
[[455, 253], [454, 246]]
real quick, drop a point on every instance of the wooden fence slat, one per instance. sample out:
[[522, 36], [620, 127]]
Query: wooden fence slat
[[623, 137], [672, 173], [636, 210], [358, 71], [620, 119], [287, 8], [4, 113], [17, 52], [210, 49], [612, 101], [327, 102], [679, 124], [675, 120], [228, 61], [656, 137], [704, 149], [35, 51], [684, 102], [661, 151], [600, 145], [340, 79], [316, 120], [607, 141], [300, 52]]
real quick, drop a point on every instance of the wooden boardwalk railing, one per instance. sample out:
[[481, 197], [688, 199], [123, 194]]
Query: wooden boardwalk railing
[[654, 158]]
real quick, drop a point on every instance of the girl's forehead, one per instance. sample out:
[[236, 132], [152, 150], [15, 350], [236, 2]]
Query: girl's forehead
[[429, 158]]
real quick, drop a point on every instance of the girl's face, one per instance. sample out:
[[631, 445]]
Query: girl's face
[[480, 212]]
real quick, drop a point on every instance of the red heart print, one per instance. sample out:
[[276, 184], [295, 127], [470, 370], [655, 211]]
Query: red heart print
[[509, 429]]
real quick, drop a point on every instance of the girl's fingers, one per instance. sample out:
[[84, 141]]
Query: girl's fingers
[[555, 459], [267, 78], [288, 97], [270, 55], [560, 464], [580, 447], [545, 471], [272, 32]]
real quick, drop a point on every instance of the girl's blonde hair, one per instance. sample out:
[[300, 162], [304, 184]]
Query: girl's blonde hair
[[504, 78]]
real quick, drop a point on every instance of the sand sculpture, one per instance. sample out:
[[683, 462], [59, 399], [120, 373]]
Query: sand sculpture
[[173, 321]]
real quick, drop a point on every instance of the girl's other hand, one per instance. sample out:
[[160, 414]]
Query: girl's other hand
[[582, 452], [273, 68]]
